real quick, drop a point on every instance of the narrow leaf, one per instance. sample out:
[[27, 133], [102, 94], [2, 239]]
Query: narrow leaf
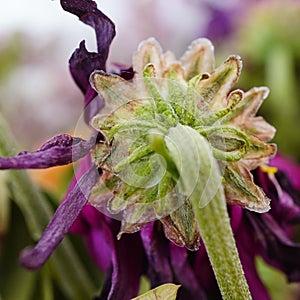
[[166, 291]]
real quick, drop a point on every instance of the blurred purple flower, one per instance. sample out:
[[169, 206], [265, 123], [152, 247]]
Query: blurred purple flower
[[149, 252], [267, 235], [220, 24]]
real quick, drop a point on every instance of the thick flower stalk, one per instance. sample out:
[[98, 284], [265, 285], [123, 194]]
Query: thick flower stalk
[[176, 142]]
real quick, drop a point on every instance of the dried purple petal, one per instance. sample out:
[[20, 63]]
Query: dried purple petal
[[60, 150], [62, 220], [88, 13], [83, 62]]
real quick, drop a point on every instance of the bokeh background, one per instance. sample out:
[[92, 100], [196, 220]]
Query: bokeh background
[[38, 98]]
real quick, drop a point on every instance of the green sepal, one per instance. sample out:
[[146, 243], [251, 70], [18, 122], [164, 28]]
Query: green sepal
[[116, 91], [227, 142], [199, 58], [214, 89], [241, 190], [164, 110], [181, 226]]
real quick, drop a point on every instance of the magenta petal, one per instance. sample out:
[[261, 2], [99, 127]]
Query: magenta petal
[[289, 167], [60, 150], [247, 251], [62, 220], [184, 274], [122, 261], [236, 216], [127, 268], [157, 251], [204, 273], [285, 204], [99, 239]]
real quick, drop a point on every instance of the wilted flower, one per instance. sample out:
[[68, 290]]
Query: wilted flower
[[167, 96], [182, 111]]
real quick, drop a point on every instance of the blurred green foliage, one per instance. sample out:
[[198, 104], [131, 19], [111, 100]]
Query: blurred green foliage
[[10, 55], [276, 282], [267, 38], [69, 274]]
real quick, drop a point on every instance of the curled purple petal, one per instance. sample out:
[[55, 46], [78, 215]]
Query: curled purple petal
[[62, 220], [60, 150], [285, 204], [80, 226], [83, 62], [289, 209], [93, 104], [88, 13]]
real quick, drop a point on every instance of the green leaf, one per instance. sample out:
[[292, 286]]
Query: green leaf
[[166, 291]]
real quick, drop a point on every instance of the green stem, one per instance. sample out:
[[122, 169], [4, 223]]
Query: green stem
[[215, 229], [200, 179]]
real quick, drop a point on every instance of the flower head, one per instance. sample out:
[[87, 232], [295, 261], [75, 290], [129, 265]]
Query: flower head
[[169, 102]]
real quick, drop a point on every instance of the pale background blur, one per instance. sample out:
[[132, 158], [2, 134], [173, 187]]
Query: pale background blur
[[37, 94]]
